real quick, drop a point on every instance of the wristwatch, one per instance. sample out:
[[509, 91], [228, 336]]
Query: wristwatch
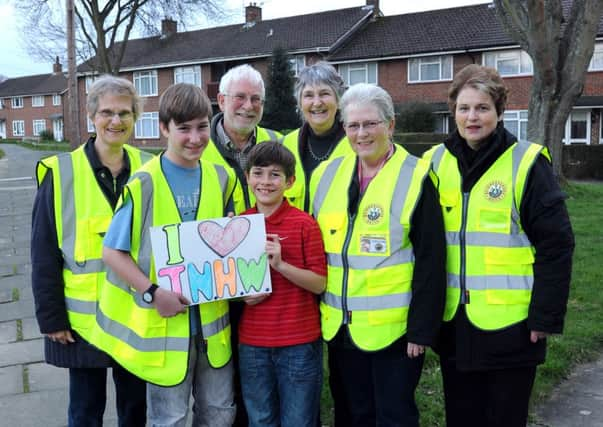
[[149, 295]]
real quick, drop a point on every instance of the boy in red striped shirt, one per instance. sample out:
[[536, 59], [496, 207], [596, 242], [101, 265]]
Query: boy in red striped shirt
[[279, 333]]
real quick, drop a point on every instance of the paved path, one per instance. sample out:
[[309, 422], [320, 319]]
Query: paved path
[[34, 394]]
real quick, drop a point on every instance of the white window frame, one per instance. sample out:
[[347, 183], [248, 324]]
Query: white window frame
[[297, 63], [149, 118], [18, 127], [17, 102], [140, 77], [37, 101], [444, 74], [184, 74], [601, 126], [90, 125], [516, 116], [56, 99], [597, 57], [444, 119], [493, 58], [39, 125], [346, 69], [568, 128]]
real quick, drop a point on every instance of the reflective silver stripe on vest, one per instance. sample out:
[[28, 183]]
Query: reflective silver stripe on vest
[[519, 151], [145, 253], [325, 182], [68, 222], [223, 178], [438, 153], [271, 134], [500, 282], [361, 262], [134, 340], [498, 240], [216, 326], [396, 230], [80, 306], [367, 303]]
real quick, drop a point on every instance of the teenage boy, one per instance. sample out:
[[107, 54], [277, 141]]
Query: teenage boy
[[152, 331], [280, 351]]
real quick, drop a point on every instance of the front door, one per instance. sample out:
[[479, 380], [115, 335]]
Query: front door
[[57, 129], [2, 129]]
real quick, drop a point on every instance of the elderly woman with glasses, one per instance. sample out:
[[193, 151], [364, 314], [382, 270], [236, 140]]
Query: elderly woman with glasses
[[321, 137], [383, 234]]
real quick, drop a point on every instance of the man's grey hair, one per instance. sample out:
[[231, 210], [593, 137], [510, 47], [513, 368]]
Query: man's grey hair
[[242, 72]]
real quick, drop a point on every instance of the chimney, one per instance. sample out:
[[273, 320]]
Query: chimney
[[168, 27], [375, 4], [57, 67], [253, 13]]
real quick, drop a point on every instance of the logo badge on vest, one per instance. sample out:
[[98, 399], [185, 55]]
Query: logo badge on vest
[[373, 214], [495, 191]]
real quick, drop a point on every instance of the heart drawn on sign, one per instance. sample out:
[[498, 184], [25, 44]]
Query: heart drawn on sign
[[224, 240]]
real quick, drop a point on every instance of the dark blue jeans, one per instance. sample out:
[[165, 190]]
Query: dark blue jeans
[[281, 385], [378, 387], [88, 395]]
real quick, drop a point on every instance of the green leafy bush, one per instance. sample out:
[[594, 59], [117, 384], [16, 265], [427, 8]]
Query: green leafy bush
[[415, 116]]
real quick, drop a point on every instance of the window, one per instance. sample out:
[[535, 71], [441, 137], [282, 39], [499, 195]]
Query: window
[[38, 126], [516, 122], [17, 102], [90, 125], [577, 128], [18, 128], [442, 123], [596, 62], [56, 99], [430, 69], [147, 126], [509, 62], [37, 101], [190, 75], [297, 62], [359, 73], [146, 83]]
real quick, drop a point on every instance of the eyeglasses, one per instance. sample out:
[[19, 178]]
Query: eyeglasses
[[241, 98], [123, 115], [369, 125]]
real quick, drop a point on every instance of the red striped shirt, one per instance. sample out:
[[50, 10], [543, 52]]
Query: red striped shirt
[[290, 315]]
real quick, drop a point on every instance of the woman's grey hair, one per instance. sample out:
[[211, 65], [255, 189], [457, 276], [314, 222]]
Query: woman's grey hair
[[112, 85], [368, 94], [321, 73], [242, 72]]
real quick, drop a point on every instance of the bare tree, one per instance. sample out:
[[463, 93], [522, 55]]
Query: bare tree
[[561, 46], [103, 28]]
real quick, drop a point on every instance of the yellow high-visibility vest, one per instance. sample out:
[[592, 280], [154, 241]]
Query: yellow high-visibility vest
[[489, 257], [152, 347], [297, 194], [243, 199], [82, 216], [370, 258]]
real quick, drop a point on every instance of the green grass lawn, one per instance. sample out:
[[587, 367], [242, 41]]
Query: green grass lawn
[[583, 335], [39, 146]]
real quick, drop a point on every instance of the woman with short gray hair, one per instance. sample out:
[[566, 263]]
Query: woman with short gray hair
[[384, 237], [321, 137]]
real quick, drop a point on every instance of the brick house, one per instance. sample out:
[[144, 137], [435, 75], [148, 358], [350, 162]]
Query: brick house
[[32, 104]]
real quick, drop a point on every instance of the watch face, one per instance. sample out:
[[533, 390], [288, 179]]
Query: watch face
[[147, 297]]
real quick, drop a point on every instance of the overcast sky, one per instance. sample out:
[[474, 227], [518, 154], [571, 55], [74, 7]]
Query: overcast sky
[[15, 62]]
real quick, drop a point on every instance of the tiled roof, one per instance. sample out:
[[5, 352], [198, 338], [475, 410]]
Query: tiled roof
[[41, 84], [461, 28], [302, 33]]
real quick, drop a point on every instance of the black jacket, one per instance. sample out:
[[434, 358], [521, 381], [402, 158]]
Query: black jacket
[[47, 268], [546, 222]]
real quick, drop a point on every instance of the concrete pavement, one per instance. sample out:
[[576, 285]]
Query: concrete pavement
[[33, 393]]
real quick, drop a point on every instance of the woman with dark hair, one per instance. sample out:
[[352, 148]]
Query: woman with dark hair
[[509, 257]]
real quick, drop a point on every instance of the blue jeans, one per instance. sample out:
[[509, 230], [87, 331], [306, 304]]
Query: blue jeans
[[212, 393], [281, 385], [88, 395]]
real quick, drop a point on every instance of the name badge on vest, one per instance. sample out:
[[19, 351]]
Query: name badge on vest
[[373, 244]]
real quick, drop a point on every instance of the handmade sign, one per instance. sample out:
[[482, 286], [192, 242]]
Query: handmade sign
[[213, 259]]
